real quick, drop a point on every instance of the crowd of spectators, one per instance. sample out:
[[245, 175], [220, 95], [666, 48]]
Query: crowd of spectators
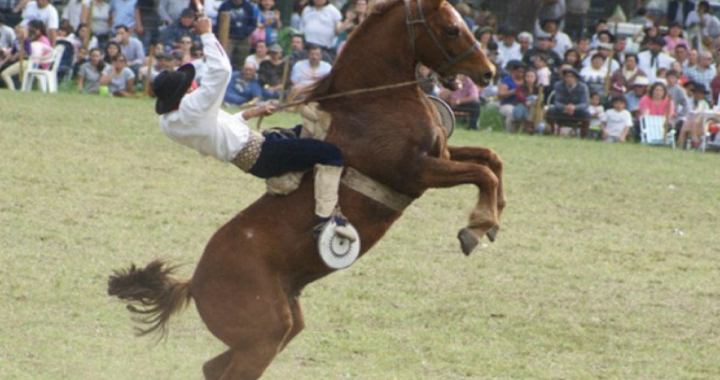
[[546, 81]]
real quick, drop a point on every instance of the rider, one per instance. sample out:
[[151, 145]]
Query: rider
[[192, 116]]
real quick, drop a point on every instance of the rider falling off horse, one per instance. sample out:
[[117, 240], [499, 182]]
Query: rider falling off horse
[[192, 116]]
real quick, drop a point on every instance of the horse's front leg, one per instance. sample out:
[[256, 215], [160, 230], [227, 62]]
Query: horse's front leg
[[486, 157], [435, 172]]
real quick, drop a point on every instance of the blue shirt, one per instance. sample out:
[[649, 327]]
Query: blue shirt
[[123, 12], [243, 18], [511, 86], [240, 91]]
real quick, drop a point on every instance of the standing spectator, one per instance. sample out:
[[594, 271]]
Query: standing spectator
[[130, 47], [562, 40], [308, 71], [678, 11], [319, 23], [269, 20], [11, 9], [622, 80], [525, 40], [270, 73], [600, 28], [570, 103], [704, 25], [653, 59], [543, 47], [124, 14], [243, 22], [508, 47], [244, 87], [73, 11], [88, 77], [554, 10], [147, 22], [118, 77], [641, 18], [261, 54], [703, 73], [173, 34], [678, 96], [508, 89], [616, 122], [348, 24], [597, 113], [674, 38], [7, 36], [43, 11], [101, 19], [170, 10], [464, 99], [632, 99]]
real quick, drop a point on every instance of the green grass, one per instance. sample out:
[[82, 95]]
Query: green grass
[[589, 279]]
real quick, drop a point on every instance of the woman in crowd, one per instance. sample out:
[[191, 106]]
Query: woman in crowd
[[260, 55], [88, 76], [674, 38], [526, 96], [118, 77], [79, 39], [572, 58], [101, 22], [354, 15], [657, 102], [269, 21], [112, 49], [318, 23], [36, 48], [623, 78]]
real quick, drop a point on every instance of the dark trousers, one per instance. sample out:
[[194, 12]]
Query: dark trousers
[[473, 110], [282, 155]]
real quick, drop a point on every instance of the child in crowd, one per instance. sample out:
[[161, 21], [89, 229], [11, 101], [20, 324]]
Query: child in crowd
[[616, 122], [542, 70], [597, 113]]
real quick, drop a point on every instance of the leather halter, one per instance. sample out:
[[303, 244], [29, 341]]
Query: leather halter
[[449, 60]]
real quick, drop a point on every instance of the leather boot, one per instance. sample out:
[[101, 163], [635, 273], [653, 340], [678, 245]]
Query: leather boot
[[327, 184]]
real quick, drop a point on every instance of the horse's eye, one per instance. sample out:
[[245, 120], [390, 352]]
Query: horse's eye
[[452, 30]]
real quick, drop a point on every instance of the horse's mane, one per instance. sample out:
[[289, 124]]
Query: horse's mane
[[322, 87]]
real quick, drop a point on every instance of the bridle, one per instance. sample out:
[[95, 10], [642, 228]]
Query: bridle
[[449, 60]]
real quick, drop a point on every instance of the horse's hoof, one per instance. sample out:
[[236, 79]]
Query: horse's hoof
[[492, 233], [468, 241]]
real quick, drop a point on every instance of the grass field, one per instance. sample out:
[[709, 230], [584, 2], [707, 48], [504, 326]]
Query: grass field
[[607, 265]]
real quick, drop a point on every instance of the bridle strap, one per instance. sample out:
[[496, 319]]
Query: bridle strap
[[410, 22]]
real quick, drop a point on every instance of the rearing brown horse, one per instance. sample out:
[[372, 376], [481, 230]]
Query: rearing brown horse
[[247, 284]]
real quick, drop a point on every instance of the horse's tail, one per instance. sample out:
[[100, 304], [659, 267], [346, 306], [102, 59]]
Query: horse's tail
[[152, 293]]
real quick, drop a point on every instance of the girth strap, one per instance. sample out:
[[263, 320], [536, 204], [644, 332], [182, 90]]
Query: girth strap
[[375, 190]]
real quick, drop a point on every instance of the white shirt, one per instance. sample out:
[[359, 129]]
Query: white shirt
[[199, 123], [509, 53], [304, 75], [616, 122], [72, 11], [562, 43], [712, 24], [319, 25], [663, 61], [7, 36], [48, 15]]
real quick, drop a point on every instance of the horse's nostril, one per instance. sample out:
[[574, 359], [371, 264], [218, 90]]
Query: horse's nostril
[[488, 76]]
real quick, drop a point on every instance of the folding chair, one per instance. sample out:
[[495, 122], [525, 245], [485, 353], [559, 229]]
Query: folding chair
[[46, 77], [652, 131]]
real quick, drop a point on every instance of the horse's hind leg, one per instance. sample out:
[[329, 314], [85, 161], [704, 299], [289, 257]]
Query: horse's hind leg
[[486, 157], [434, 172]]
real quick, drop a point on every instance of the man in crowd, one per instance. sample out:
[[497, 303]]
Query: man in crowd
[[44, 11], [544, 48], [182, 27], [703, 73], [654, 58], [508, 47], [131, 48], [243, 21], [571, 102], [244, 87], [310, 70]]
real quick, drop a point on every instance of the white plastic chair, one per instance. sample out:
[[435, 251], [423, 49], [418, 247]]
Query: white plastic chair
[[652, 131], [47, 77]]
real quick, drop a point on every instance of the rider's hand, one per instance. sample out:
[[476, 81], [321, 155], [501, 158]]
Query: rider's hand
[[203, 25]]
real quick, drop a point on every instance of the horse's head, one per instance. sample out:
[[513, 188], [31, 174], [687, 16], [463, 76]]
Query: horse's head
[[441, 40]]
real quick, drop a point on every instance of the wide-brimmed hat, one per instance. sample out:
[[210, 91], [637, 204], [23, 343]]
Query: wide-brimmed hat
[[170, 87], [641, 81]]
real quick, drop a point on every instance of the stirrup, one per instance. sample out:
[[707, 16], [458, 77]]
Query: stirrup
[[338, 241]]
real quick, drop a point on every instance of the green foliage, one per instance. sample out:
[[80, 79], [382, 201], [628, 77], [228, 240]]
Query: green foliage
[[607, 265]]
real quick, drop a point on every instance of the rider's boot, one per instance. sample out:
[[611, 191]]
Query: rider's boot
[[327, 184]]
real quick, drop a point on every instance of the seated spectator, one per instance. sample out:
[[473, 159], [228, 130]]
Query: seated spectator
[[172, 35], [185, 46], [308, 71], [11, 59], [464, 99], [651, 60], [508, 46], [562, 40], [244, 87], [657, 103], [163, 61], [678, 96], [298, 50], [570, 103], [572, 58], [597, 113], [715, 85], [179, 58], [616, 122], [622, 80], [583, 47], [600, 27], [130, 47], [112, 49], [198, 60], [680, 53], [483, 36], [594, 75], [270, 73], [704, 19], [88, 77], [632, 99], [703, 73], [428, 86], [7, 36], [37, 50], [527, 96], [261, 54], [544, 75], [508, 88], [641, 18], [544, 48], [525, 40], [606, 50], [79, 39], [693, 123], [119, 79]]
